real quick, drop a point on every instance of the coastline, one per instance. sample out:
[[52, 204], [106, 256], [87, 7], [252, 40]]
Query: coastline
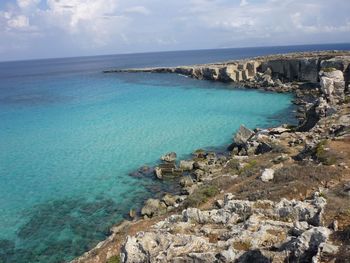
[[299, 73]]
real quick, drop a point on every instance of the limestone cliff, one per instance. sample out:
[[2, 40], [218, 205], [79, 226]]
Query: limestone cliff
[[299, 67]]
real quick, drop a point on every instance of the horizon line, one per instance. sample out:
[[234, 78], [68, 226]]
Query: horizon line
[[167, 51]]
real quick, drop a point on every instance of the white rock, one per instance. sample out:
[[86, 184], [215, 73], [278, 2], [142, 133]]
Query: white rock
[[267, 175], [329, 249], [158, 173]]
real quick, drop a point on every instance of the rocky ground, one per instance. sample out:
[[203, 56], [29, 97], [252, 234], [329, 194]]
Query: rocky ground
[[276, 195]]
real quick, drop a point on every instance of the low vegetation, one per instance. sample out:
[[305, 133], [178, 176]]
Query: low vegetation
[[114, 259], [249, 169], [323, 155], [201, 195]]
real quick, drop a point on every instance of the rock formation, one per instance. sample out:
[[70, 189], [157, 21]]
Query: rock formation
[[272, 70], [238, 231]]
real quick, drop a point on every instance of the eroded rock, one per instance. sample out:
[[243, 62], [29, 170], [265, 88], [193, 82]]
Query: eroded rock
[[241, 229]]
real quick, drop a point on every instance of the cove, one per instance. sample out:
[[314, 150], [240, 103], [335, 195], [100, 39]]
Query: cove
[[69, 141]]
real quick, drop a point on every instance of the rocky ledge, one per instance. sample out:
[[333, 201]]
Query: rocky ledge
[[236, 231], [276, 195]]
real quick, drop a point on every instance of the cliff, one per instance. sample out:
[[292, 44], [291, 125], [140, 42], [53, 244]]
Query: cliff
[[300, 67]]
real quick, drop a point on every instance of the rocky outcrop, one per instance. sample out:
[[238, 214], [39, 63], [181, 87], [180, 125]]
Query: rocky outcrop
[[153, 207], [271, 71], [238, 231], [333, 85], [294, 69], [169, 157], [241, 138]]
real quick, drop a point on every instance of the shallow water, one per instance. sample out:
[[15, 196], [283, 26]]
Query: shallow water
[[70, 136]]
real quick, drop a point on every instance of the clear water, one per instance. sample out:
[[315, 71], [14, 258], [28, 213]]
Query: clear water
[[70, 136]]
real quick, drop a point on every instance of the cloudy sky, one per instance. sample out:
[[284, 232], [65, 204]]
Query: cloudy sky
[[61, 28]]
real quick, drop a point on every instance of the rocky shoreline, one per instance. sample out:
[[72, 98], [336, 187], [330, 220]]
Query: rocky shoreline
[[213, 221]]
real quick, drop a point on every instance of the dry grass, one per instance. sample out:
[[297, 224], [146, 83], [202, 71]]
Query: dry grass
[[242, 245]]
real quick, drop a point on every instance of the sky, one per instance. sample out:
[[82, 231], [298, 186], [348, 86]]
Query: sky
[[63, 28]]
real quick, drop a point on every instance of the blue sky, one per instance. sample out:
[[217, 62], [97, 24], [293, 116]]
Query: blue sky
[[61, 28]]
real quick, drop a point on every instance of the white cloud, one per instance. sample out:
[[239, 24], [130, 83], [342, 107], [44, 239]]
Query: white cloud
[[141, 25], [77, 11], [18, 22], [243, 3], [138, 10], [91, 23], [27, 3]]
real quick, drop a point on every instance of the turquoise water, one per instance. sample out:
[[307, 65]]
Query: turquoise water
[[70, 136]]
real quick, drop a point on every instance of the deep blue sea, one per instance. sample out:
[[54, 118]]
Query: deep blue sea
[[71, 135]]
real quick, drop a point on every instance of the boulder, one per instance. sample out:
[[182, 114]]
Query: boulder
[[186, 165], [169, 157], [153, 207], [243, 135], [333, 85], [329, 249], [169, 199], [267, 175], [186, 181], [306, 247], [263, 147], [158, 173], [200, 153], [200, 164], [198, 174]]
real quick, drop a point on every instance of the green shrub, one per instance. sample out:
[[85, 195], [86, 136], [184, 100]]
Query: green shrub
[[114, 259], [249, 169], [323, 156], [233, 164], [201, 195]]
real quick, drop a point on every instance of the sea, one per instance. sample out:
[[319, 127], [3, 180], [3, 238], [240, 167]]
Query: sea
[[72, 137]]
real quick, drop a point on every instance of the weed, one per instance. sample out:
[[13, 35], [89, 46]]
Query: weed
[[323, 156], [114, 259], [242, 245], [249, 169], [201, 195]]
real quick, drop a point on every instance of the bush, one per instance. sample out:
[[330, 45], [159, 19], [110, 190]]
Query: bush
[[249, 169], [323, 156], [201, 195], [114, 259]]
